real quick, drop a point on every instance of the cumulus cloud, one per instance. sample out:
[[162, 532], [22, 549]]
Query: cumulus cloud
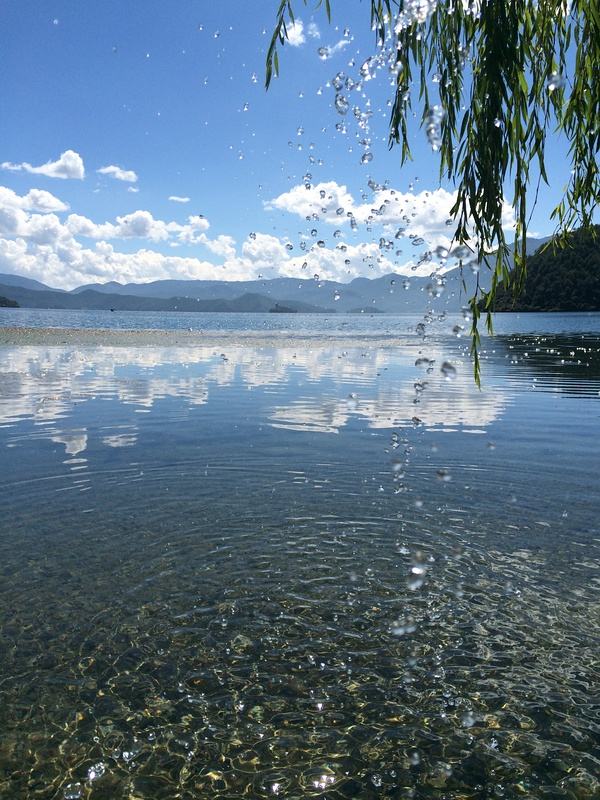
[[329, 200], [174, 198], [295, 33], [69, 165], [408, 214], [133, 189], [34, 200], [140, 224], [119, 174], [403, 232]]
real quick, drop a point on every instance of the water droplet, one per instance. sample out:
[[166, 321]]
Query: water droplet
[[433, 126], [352, 402], [556, 81], [404, 626], [341, 104], [74, 791], [443, 475], [448, 371], [336, 295], [323, 53], [366, 157], [245, 107], [468, 719], [96, 771], [338, 81]]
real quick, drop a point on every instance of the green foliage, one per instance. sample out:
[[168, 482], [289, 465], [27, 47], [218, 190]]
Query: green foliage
[[559, 278], [5, 302], [510, 73]]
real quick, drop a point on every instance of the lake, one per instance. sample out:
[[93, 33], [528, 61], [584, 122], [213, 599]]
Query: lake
[[300, 568]]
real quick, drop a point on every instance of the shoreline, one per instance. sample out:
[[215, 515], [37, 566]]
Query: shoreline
[[149, 337]]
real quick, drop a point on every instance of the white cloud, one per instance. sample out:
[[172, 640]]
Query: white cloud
[[69, 165], [335, 48], [313, 31], [295, 33], [133, 189], [140, 225], [323, 199], [174, 198], [127, 175], [420, 215], [34, 200], [401, 228]]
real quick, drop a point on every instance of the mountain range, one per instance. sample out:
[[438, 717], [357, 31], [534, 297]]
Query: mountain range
[[391, 293]]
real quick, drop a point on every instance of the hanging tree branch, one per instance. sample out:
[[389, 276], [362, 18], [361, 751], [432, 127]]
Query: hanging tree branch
[[530, 67]]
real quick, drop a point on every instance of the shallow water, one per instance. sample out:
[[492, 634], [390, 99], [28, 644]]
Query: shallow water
[[290, 572]]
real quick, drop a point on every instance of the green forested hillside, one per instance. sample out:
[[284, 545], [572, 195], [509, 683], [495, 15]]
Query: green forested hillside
[[6, 303], [560, 279]]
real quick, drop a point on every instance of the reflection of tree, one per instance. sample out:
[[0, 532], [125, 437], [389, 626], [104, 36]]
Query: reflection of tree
[[569, 363]]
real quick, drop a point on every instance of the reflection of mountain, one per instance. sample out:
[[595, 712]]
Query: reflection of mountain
[[305, 389]]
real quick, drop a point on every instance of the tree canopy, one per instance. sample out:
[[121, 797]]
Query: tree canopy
[[507, 75]]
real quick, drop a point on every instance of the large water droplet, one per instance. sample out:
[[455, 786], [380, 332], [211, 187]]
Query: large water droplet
[[448, 371], [341, 104]]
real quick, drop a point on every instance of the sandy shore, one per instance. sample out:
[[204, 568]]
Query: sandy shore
[[98, 337]]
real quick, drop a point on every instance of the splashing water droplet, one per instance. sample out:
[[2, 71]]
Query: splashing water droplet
[[96, 771], [341, 104], [366, 158], [555, 82], [433, 126], [448, 371], [74, 791], [468, 719], [336, 295]]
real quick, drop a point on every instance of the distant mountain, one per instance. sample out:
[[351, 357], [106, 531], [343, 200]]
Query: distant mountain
[[5, 302], [560, 279], [92, 300], [385, 294], [26, 283]]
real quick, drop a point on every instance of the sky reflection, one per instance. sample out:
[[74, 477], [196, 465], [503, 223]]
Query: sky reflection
[[318, 390]]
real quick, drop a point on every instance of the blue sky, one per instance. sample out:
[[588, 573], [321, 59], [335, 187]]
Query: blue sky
[[168, 99]]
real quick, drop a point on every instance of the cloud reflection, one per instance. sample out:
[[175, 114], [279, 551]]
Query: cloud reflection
[[302, 388]]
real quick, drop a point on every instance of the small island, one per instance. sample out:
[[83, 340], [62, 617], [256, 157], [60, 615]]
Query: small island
[[5, 302]]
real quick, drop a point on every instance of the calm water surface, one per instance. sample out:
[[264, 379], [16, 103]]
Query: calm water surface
[[302, 571]]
